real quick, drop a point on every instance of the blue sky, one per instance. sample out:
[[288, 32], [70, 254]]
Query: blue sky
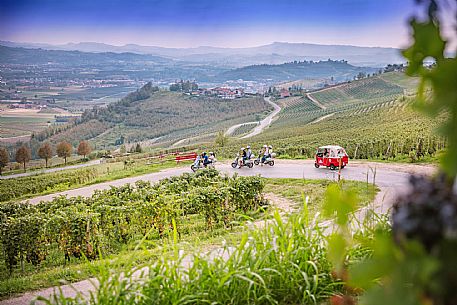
[[234, 23]]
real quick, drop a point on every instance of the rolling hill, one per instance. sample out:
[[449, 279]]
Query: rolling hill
[[152, 114], [371, 118], [340, 70]]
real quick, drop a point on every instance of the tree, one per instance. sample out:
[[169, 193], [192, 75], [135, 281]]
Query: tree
[[138, 148], [64, 150], [4, 158], [23, 155], [221, 139], [45, 152], [84, 149]]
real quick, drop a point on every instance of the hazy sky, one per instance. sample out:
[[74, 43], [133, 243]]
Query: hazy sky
[[190, 23]]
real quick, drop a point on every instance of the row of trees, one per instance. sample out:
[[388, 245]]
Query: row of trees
[[24, 154]]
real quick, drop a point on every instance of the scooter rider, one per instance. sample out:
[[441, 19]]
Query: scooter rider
[[248, 153], [266, 152], [212, 157], [205, 159], [243, 156], [270, 151], [198, 160]]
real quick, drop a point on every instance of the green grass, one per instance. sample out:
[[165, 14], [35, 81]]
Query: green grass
[[193, 234], [298, 190]]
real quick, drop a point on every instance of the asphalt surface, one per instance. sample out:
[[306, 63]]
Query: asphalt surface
[[392, 179], [386, 175], [266, 121]]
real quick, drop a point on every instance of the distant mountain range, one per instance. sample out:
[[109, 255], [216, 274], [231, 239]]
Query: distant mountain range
[[89, 65], [274, 53]]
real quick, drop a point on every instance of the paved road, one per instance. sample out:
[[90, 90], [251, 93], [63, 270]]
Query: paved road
[[266, 121], [51, 170], [387, 175], [391, 178]]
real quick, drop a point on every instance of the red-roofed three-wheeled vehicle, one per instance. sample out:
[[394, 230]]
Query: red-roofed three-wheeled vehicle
[[331, 156]]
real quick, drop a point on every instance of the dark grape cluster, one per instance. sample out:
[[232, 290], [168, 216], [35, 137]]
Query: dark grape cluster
[[428, 212]]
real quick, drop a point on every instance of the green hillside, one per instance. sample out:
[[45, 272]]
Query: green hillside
[[371, 118], [296, 111], [363, 90], [372, 129], [149, 113]]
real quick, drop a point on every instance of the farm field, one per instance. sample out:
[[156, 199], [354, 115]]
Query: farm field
[[77, 98], [296, 111], [243, 129], [40, 164], [119, 242], [362, 90], [258, 153], [14, 126], [388, 130], [23, 122], [376, 127], [304, 84]]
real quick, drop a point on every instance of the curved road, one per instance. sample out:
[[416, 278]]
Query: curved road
[[387, 175], [392, 179], [266, 121]]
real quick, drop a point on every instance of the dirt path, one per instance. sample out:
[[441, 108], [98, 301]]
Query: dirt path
[[322, 118], [315, 101]]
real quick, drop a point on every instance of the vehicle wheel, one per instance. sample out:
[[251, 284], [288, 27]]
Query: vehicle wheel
[[234, 165], [332, 167], [271, 163], [256, 162], [316, 165], [193, 168], [250, 165], [342, 167]]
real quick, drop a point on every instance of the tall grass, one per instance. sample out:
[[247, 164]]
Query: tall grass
[[282, 263]]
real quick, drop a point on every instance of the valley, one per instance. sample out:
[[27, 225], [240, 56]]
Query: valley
[[176, 154]]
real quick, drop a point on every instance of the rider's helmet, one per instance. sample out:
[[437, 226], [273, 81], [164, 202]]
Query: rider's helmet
[[242, 148], [204, 153], [270, 147], [265, 146], [211, 153], [248, 147]]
